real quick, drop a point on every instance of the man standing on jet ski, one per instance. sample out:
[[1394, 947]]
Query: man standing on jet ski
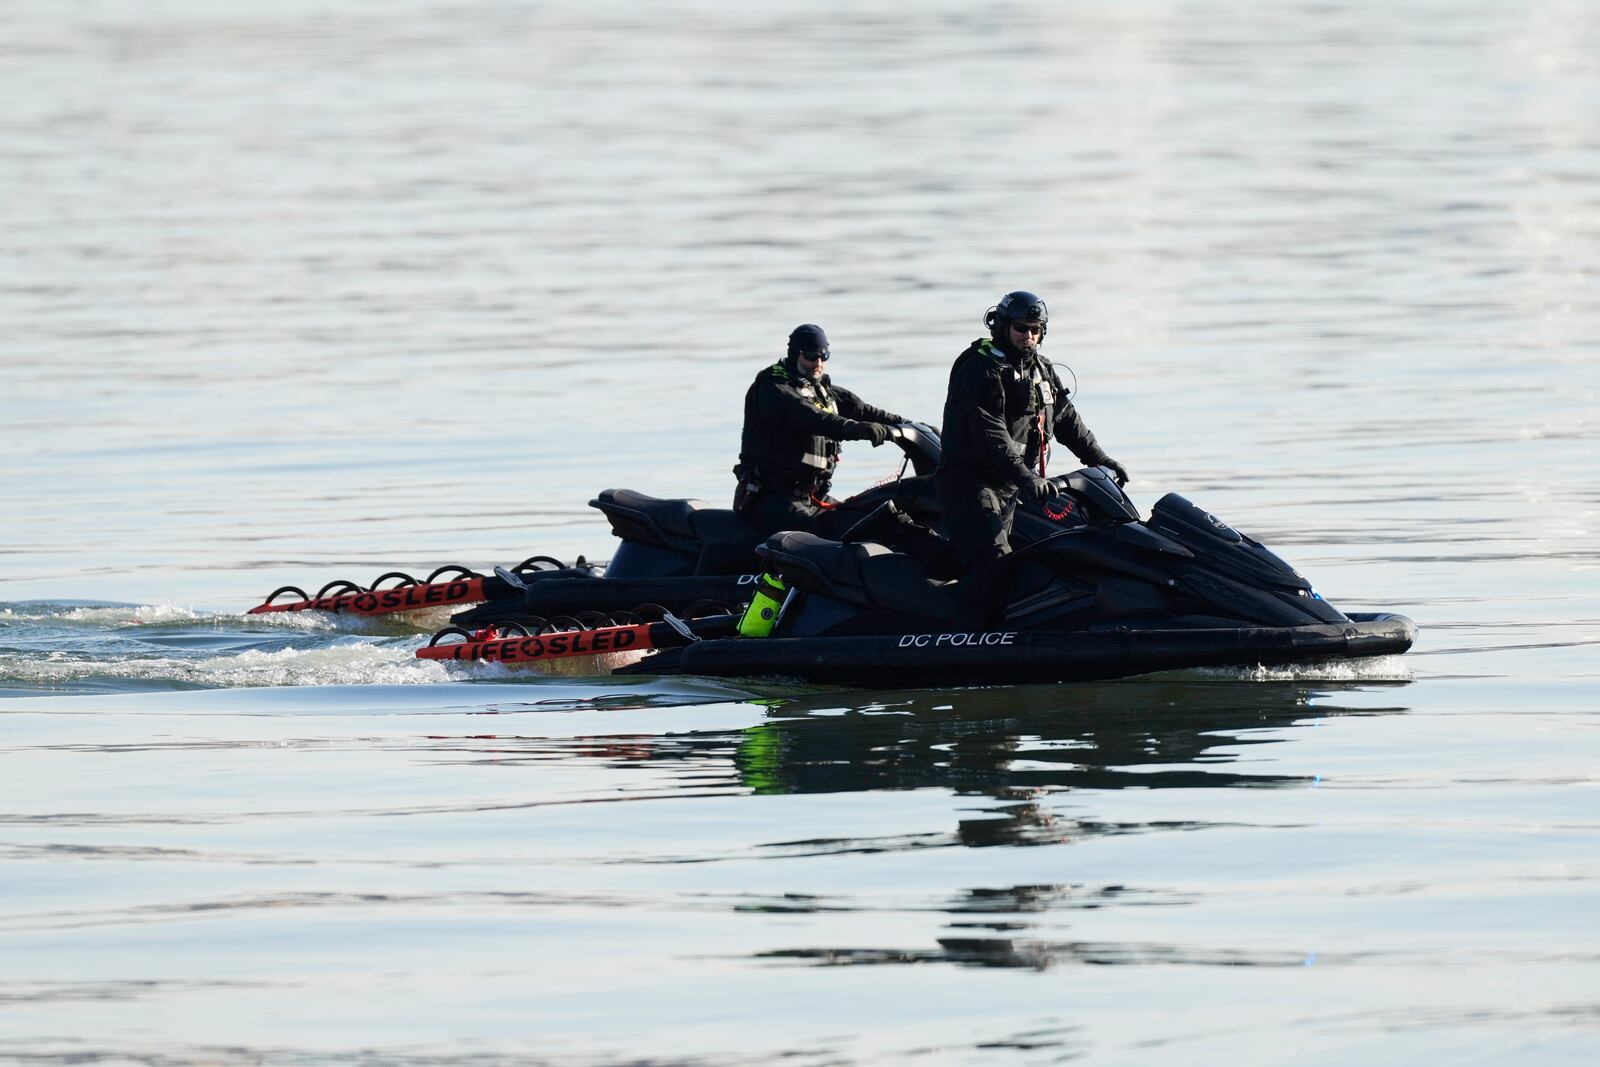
[[1004, 405], [794, 419]]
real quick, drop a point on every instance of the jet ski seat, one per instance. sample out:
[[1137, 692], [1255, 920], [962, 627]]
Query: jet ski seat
[[684, 525], [865, 574]]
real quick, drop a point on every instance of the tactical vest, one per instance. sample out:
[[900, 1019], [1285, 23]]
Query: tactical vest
[[1029, 408], [780, 459]]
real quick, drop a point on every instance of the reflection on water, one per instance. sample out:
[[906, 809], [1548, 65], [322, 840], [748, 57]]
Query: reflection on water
[[1007, 742], [1018, 747], [1040, 955]]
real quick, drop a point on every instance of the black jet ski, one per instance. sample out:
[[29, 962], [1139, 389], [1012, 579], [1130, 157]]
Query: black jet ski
[[1112, 595]]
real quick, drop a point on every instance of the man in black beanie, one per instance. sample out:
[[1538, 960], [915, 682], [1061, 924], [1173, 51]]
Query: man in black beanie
[[794, 419]]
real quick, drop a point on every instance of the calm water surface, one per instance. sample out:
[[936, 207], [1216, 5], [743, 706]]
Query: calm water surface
[[338, 288]]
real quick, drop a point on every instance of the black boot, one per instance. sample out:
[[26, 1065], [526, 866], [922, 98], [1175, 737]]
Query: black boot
[[893, 528], [883, 524], [982, 592]]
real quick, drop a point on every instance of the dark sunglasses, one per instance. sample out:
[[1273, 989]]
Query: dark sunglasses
[[1028, 327], [814, 355]]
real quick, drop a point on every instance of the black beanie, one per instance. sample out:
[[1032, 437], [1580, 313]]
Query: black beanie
[[808, 339]]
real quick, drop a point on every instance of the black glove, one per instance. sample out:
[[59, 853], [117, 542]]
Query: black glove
[[1118, 470], [876, 432], [1040, 490]]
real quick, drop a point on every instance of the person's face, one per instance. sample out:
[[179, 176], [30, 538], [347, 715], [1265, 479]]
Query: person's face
[[810, 363], [1026, 334]]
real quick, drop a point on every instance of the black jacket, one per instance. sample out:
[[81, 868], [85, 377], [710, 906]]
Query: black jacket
[[793, 426], [991, 428]]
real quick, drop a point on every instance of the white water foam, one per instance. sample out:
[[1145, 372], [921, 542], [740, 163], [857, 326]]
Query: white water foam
[[356, 663], [1375, 669], [352, 664], [120, 615], [426, 620]]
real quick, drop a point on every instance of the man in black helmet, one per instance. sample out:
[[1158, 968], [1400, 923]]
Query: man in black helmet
[[794, 419], [1005, 404]]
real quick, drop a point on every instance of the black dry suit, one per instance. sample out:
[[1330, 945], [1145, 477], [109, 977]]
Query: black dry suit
[[792, 429], [999, 415], [1002, 409]]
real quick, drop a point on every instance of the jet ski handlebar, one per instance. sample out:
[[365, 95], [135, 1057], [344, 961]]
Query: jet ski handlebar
[[920, 443], [1102, 498]]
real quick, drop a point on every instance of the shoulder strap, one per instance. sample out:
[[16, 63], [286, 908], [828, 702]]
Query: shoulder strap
[[825, 399]]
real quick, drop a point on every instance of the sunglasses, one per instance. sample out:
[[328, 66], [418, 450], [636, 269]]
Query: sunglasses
[[1028, 327], [814, 355]]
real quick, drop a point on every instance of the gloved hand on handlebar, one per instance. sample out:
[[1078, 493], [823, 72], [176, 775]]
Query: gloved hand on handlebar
[[1040, 490], [1117, 470], [877, 433]]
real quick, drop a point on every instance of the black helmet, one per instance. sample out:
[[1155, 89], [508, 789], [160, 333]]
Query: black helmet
[[1020, 306]]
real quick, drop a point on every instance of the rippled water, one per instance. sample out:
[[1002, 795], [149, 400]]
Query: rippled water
[[325, 289]]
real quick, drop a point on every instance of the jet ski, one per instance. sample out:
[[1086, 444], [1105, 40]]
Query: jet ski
[[1106, 596]]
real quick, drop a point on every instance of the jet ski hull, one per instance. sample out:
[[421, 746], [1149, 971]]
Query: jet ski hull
[[1005, 657]]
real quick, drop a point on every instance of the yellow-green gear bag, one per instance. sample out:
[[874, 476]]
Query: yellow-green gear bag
[[762, 614]]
